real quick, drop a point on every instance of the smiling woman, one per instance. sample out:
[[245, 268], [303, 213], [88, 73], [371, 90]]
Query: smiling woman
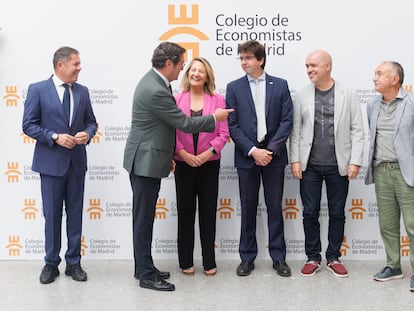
[[197, 158]]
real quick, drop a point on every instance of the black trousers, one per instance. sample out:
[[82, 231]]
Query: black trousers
[[145, 194], [194, 183]]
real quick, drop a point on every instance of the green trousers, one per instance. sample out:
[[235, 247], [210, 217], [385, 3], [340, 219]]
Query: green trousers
[[394, 197]]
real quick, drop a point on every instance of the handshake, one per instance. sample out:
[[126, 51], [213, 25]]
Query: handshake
[[222, 114]]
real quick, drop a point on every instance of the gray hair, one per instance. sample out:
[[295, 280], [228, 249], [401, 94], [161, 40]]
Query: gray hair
[[399, 71], [63, 54]]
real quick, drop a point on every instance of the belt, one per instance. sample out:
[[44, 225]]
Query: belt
[[390, 165]]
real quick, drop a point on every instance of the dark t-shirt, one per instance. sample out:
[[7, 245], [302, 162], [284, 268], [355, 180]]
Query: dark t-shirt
[[323, 146]]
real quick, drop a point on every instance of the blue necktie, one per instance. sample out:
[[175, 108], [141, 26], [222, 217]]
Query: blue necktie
[[66, 102]]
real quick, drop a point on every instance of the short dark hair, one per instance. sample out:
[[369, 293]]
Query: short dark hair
[[63, 54], [166, 51], [254, 47], [399, 71]]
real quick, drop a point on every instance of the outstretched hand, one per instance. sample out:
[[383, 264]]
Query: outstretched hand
[[222, 114]]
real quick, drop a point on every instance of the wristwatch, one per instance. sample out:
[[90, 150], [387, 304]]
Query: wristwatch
[[55, 137], [213, 150]]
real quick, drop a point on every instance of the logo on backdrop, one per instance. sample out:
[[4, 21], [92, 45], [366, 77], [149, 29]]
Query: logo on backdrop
[[405, 246], [95, 210], [186, 27], [14, 246], [161, 209], [225, 210], [344, 247], [357, 210], [11, 98], [291, 209], [97, 138], [27, 139], [12, 172], [29, 210], [84, 246]]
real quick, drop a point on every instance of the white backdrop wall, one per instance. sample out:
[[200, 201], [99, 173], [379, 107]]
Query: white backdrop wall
[[116, 41]]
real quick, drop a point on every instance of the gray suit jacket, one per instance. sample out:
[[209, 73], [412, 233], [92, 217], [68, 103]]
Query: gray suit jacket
[[150, 145], [348, 127], [403, 135]]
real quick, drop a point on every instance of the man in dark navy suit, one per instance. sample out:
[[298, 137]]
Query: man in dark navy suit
[[58, 114], [259, 126]]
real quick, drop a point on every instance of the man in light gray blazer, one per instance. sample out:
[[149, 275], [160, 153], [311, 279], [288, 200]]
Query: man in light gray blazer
[[150, 149], [391, 164], [326, 143]]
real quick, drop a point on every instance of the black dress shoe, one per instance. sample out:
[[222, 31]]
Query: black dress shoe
[[48, 274], [157, 283], [282, 268], [245, 268], [161, 274], [76, 272]]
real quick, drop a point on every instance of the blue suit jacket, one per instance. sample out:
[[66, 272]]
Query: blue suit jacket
[[243, 121], [43, 116]]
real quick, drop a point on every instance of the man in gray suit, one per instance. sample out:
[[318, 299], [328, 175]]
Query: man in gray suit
[[391, 164], [150, 149], [326, 144]]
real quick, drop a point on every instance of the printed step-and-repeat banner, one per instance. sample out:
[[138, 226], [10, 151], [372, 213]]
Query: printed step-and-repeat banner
[[116, 41]]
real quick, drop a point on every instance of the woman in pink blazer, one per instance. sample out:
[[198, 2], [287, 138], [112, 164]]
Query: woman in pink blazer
[[197, 158]]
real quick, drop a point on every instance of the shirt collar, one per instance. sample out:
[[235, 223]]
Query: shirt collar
[[261, 78], [162, 76], [57, 82]]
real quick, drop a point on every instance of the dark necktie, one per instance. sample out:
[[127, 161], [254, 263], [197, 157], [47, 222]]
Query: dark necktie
[[169, 87], [66, 102]]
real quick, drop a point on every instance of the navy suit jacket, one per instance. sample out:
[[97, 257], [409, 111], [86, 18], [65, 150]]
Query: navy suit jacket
[[243, 121], [43, 116]]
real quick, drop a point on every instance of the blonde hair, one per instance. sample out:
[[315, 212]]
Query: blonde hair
[[209, 85]]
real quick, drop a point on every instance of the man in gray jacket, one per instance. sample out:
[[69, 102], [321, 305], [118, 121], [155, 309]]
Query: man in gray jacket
[[150, 149], [327, 143], [391, 164]]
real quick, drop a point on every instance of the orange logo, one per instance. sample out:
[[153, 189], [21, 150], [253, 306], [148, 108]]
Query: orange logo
[[97, 138], [27, 139], [290, 210], [225, 209], [357, 211], [83, 246], [408, 88], [344, 247], [405, 246], [29, 210], [183, 19], [160, 209], [95, 210], [11, 96], [12, 172], [14, 245]]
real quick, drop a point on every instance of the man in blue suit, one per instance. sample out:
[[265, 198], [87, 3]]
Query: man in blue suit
[[259, 126], [391, 164], [60, 157]]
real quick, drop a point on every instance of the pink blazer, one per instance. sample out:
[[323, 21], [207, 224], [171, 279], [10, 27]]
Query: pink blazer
[[216, 139]]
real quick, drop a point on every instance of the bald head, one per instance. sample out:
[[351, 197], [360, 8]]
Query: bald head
[[319, 66], [321, 56]]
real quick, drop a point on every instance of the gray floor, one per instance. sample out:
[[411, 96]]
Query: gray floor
[[112, 287]]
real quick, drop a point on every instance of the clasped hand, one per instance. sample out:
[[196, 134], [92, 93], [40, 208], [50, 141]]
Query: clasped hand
[[68, 141]]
